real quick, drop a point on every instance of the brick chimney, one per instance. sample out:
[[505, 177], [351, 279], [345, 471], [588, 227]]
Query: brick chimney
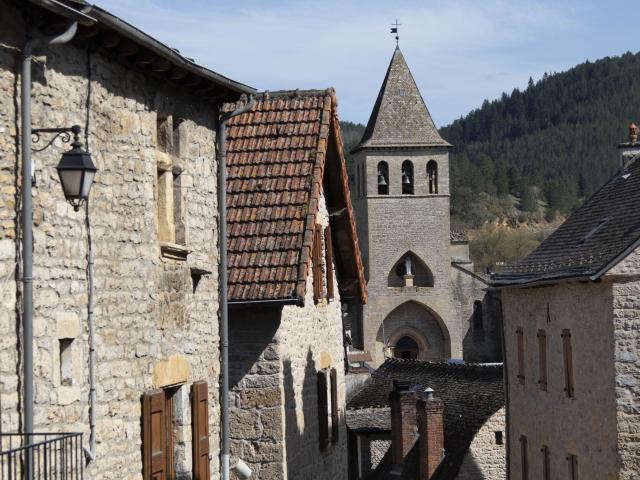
[[403, 420], [430, 412], [630, 149]]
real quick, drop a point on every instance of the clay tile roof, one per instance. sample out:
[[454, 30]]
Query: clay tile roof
[[276, 159], [400, 117], [472, 393], [591, 241]]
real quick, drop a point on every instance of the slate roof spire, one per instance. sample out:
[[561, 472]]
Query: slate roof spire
[[400, 117]]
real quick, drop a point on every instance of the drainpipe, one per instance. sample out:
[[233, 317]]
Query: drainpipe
[[27, 228], [90, 453], [224, 308]]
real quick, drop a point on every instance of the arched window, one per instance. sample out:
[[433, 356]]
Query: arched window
[[432, 176], [410, 268], [406, 348], [477, 315], [407, 178], [383, 178]]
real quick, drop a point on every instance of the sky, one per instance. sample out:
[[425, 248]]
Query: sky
[[460, 52]]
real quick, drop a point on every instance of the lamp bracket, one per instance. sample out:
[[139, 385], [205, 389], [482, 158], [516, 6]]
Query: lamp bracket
[[63, 132]]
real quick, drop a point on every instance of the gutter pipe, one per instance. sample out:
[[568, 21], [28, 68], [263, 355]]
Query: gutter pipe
[[223, 278], [27, 230], [90, 453]]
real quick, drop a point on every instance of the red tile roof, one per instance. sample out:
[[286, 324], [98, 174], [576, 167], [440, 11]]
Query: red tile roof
[[276, 158]]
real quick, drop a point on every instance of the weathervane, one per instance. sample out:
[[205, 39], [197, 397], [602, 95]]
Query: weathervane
[[394, 29]]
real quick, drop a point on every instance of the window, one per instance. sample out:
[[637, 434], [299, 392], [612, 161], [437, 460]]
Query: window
[[524, 460], [328, 261], [363, 180], [572, 461], [406, 348], [546, 465], [164, 133], [316, 261], [335, 412], [157, 435], [477, 316], [520, 346], [410, 267], [323, 410], [407, 178], [542, 360], [66, 362], [432, 176], [499, 437], [383, 178], [200, 429], [568, 363]]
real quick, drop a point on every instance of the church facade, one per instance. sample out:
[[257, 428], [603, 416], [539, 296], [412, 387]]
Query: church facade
[[425, 300]]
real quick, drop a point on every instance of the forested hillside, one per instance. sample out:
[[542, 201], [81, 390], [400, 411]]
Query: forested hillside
[[539, 152]]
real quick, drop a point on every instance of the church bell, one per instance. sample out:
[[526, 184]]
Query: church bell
[[382, 182]]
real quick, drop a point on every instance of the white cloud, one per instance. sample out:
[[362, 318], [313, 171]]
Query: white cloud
[[459, 51]]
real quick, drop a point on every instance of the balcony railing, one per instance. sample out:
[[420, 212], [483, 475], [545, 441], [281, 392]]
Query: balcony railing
[[41, 456]]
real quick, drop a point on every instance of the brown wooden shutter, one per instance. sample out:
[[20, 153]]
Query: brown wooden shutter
[[323, 410], [546, 467], [542, 359], [568, 362], [523, 457], [154, 436], [335, 416], [200, 430], [520, 341], [572, 460], [328, 249], [316, 258]]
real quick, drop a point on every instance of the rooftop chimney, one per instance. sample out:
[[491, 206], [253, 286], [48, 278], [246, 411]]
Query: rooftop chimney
[[430, 412], [627, 151], [403, 421]]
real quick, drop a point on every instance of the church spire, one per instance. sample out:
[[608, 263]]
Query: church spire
[[400, 117]]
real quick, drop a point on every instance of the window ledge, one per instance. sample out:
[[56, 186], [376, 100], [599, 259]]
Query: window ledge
[[174, 251]]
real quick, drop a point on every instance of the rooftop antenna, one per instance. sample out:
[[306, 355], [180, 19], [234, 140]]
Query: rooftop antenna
[[394, 29]]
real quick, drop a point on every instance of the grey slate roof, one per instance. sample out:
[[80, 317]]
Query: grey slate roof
[[591, 240], [400, 117], [369, 419], [471, 393]]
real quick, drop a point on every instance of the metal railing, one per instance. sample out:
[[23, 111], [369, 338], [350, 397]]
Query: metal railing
[[41, 456]]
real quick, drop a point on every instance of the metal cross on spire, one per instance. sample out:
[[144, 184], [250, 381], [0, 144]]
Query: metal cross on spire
[[394, 29]]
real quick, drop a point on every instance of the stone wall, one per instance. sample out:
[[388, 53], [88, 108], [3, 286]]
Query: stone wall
[[153, 325], [549, 417], [486, 459], [275, 355]]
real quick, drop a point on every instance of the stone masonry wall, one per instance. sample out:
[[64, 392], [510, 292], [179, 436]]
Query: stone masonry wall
[[549, 417], [275, 355], [485, 459], [153, 327]]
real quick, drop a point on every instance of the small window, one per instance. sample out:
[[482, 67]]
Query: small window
[[335, 412], [520, 346], [432, 176], [323, 409], [477, 316], [383, 178], [363, 179], [406, 348], [524, 460], [164, 133], [568, 363], [499, 437], [316, 259], [178, 209], [546, 464], [66, 362], [542, 360], [572, 462], [407, 178]]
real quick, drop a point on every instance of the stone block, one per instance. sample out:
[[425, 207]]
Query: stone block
[[68, 395], [260, 397], [67, 325], [173, 371]]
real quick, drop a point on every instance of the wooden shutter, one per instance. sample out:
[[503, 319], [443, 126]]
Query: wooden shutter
[[323, 411], [154, 436], [520, 341], [568, 362], [316, 260], [523, 457], [200, 430], [328, 250], [335, 416], [546, 467], [572, 460], [542, 359]]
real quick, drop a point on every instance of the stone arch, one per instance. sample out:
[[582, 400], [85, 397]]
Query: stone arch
[[422, 324], [421, 275], [432, 176]]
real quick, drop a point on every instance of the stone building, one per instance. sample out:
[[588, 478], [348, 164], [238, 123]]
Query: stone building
[[426, 302], [572, 331], [455, 430], [294, 260], [149, 119]]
